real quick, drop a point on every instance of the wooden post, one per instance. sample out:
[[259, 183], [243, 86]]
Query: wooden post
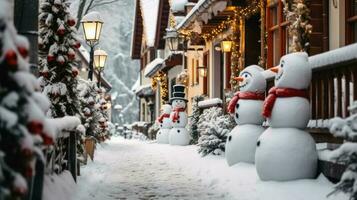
[[72, 155], [37, 184]]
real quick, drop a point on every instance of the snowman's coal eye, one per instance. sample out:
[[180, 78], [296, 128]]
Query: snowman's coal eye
[[245, 74], [282, 64]]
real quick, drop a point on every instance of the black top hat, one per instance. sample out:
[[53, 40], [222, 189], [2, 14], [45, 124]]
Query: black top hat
[[179, 93]]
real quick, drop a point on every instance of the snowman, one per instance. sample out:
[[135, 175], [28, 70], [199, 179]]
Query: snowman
[[165, 125], [284, 151], [178, 134], [246, 105]]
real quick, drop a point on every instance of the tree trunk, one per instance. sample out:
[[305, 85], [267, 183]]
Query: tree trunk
[[82, 3]]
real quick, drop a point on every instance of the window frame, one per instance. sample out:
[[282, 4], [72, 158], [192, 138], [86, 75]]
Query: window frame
[[351, 20]]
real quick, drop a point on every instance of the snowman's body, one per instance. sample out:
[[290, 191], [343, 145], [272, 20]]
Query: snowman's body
[[162, 136], [178, 134], [292, 112], [242, 140], [284, 151]]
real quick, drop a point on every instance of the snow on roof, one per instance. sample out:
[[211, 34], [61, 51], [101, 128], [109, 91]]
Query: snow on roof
[[149, 9], [153, 67], [339, 55], [143, 88], [178, 5], [136, 85], [118, 107], [210, 103], [207, 7], [92, 16], [84, 53]]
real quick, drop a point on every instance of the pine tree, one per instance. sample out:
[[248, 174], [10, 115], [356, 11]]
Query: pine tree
[[23, 125], [57, 44], [213, 127], [194, 118], [104, 117], [347, 152]]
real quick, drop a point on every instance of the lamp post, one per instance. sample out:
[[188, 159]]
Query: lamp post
[[100, 57], [92, 27]]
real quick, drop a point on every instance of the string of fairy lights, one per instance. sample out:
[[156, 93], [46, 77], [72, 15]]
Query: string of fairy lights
[[161, 78]]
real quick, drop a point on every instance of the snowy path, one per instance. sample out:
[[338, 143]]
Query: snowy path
[[129, 169]]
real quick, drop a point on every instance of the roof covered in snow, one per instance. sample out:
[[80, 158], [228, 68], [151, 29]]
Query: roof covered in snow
[[178, 5], [153, 67], [149, 9], [144, 90], [202, 11]]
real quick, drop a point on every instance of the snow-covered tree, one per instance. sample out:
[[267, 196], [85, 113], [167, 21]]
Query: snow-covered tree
[[23, 125], [103, 112], [213, 126], [57, 44], [347, 152], [194, 118]]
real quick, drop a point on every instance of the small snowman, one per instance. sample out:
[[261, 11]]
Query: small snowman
[[165, 125], [246, 105], [284, 151], [178, 134]]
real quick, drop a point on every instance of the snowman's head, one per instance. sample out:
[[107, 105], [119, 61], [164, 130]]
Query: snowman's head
[[251, 79], [166, 109], [293, 71], [178, 103]]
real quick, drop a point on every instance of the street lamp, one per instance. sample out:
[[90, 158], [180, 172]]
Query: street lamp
[[100, 57], [226, 46], [172, 37], [92, 27]]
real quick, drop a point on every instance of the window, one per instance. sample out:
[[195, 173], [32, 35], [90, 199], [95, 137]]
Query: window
[[277, 33], [351, 21], [192, 72]]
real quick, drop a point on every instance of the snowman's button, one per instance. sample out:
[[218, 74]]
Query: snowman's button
[[258, 143], [237, 116], [178, 131], [237, 105], [178, 121], [160, 125], [230, 138]]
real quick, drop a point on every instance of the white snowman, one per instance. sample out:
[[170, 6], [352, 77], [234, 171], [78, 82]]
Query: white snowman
[[284, 151], [164, 121], [178, 134], [246, 105]]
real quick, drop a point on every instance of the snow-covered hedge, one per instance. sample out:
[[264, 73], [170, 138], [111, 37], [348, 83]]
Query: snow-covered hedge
[[213, 127]]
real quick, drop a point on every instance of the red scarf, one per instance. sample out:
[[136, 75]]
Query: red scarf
[[176, 115], [243, 95], [161, 118], [281, 92]]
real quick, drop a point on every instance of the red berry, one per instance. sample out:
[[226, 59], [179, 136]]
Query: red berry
[[11, 58], [23, 52], [71, 22], [77, 45], [60, 32], [35, 127], [50, 58], [47, 140]]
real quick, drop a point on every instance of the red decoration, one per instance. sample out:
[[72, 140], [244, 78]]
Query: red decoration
[[71, 56], [243, 95], [77, 45], [11, 58], [281, 92], [161, 118], [71, 22], [50, 58], [74, 73], [35, 127], [44, 74], [23, 52], [47, 140]]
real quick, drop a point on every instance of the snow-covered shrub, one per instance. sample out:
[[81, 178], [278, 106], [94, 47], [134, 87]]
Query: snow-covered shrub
[[24, 127], [347, 152], [153, 129], [213, 127], [194, 118]]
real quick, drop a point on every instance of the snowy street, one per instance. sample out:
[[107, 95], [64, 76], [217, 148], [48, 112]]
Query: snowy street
[[131, 169]]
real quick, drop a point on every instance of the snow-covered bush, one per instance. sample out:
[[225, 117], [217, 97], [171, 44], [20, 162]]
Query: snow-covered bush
[[194, 118], [24, 127], [213, 127], [58, 68], [153, 129], [347, 152]]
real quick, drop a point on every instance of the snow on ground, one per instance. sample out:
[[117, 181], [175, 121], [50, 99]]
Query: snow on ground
[[131, 169]]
